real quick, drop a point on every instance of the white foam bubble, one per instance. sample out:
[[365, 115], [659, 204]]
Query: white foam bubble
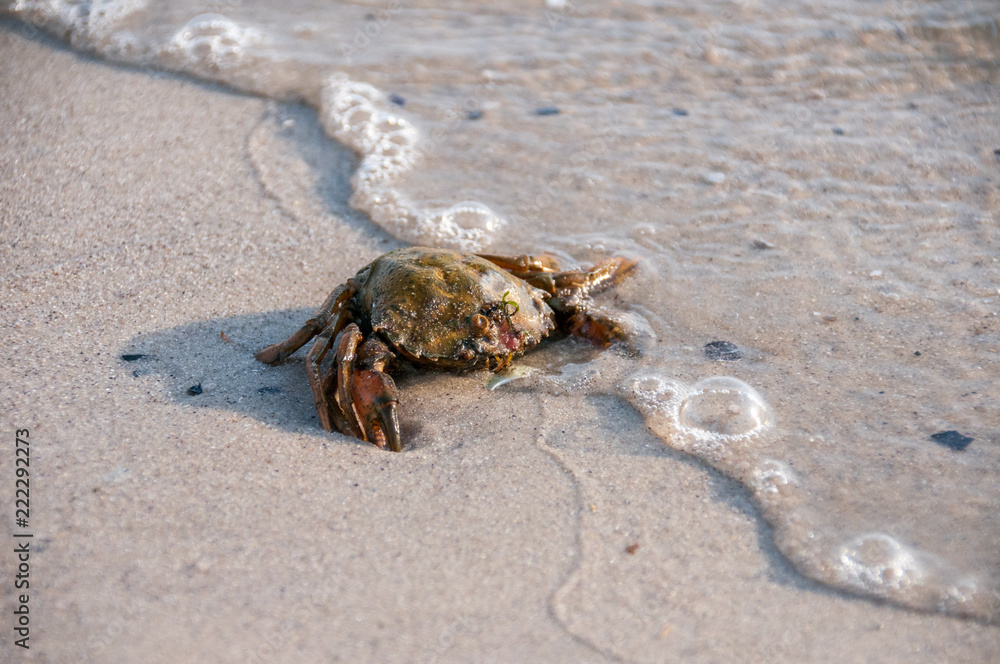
[[711, 419], [357, 115], [723, 407], [773, 478], [879, 564], [212, 41]]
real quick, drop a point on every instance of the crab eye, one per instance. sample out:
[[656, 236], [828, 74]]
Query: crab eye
[[480, 324]]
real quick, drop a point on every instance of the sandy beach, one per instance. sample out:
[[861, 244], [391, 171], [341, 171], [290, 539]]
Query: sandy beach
[[526, 524]]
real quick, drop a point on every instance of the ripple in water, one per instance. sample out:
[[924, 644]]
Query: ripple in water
[[718, 419]]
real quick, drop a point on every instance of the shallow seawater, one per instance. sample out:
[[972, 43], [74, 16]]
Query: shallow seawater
[[817, 184]]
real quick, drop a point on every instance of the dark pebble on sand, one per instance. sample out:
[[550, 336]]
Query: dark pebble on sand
[[838, 131], [917, 353], [195, 390], [270, 389], [475, 115], [997, 153], [547, 110], [397, 100], [679, 111], [132, 357], [952, 439], [725, 351]]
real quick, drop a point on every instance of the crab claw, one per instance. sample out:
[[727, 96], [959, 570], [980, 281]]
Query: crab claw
[[597, 327], [375, 400]]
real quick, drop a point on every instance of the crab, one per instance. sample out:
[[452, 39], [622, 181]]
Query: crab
[[443, 310]]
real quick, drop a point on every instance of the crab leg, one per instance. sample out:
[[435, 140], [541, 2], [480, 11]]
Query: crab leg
[[542, 272], [314, 362], [347, 346], [583, 283], [524, 265], [275, 353]]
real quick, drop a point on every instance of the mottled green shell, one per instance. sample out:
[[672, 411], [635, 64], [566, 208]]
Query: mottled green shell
[[421, 302]]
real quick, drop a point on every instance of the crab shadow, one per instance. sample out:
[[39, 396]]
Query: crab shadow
[[210, 364]]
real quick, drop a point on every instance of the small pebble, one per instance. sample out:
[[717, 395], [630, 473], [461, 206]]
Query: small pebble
[[397, 100], [225, 337], [631, 549], [917, 353], [724, 351], [547, 110], [875, 273], [952, 439], [195, 390], [997, 153], [270, 389], [838, 131], [715, 177], [679, 111], [132, 357], [763, 244], [475, 115]]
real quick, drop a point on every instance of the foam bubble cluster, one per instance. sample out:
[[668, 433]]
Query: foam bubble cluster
[[357, 115], [773, 478], [711, 419], [212, 41], [878, 563]]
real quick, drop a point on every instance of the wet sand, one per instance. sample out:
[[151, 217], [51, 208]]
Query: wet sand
[[228, 527]]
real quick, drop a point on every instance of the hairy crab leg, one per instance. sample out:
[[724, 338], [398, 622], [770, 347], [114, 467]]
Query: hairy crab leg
[[524, 265], [347, 346], [583, 283], [321, 381], [314, 362], [276, 353]]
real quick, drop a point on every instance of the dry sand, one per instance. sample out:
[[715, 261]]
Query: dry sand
[[228, 527]]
